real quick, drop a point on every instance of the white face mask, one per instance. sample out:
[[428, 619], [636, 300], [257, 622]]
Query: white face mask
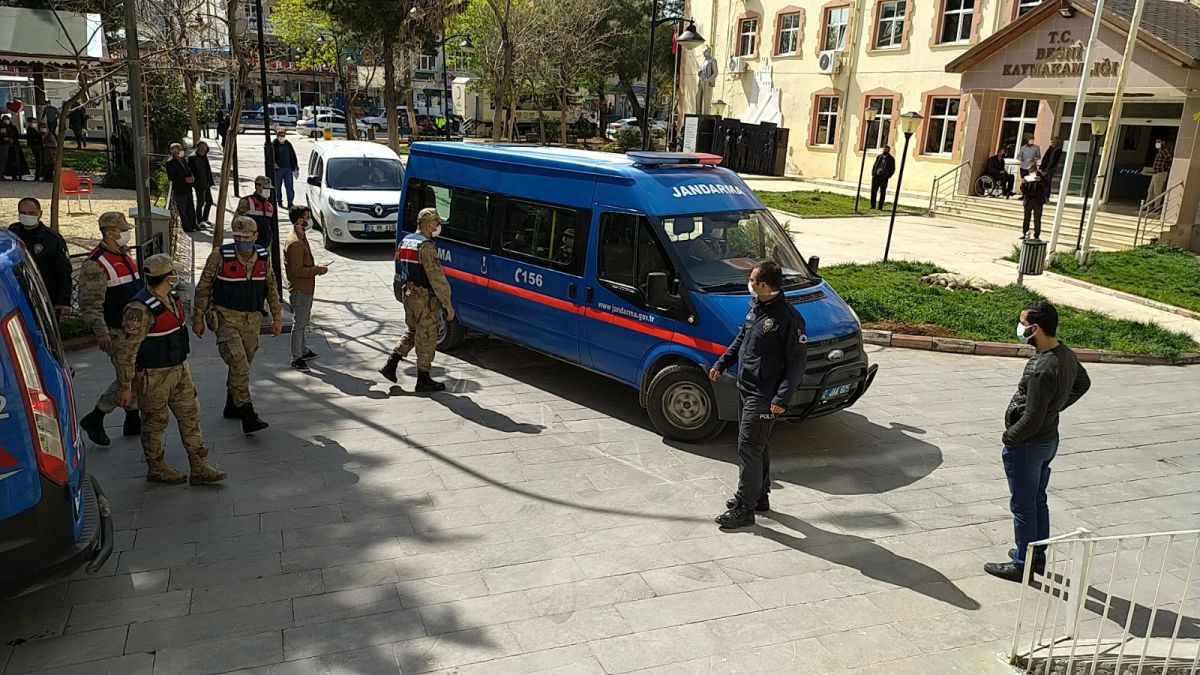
[[436, 231], [750, 287], [123, 238], [28, 220], [1158, 145], [264, 193]]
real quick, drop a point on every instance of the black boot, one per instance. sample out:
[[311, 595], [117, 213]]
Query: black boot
[[389, 369], [425, 383], [231, 412], [740, 516], [93, 425], [133, 423], [251, 422]]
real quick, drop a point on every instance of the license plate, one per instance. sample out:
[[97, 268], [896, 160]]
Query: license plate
[[380, 227], [835, 392]]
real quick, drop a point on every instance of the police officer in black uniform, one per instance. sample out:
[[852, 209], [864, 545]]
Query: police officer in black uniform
[[49, 252], [770, 350]]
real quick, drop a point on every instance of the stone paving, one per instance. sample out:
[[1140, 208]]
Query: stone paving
[[530, 520]]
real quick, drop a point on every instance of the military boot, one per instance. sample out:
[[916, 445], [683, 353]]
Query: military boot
[[389, 369], [425, 383], [231, 412], [133, 423], [93, 425], [203, 472], [158, 471], [251, 422]]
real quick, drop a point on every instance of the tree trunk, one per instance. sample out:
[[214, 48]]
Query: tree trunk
[[351, 119], [631, 96], [189, 91], [229, 152], [389, 89], [562, 121], [61, 132], [502, 85]]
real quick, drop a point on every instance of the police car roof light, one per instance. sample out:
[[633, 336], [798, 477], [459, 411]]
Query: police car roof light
[[673, 158]]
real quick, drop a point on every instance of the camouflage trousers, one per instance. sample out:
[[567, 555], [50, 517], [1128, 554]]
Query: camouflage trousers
[[237, 340], [421, 313], [163, 389], [105, 404]]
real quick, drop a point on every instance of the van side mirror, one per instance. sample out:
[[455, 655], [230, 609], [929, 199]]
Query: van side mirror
[[658, 293], [314, 181], [814, 262]]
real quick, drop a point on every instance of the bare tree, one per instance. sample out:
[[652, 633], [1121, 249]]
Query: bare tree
[[567, 63]]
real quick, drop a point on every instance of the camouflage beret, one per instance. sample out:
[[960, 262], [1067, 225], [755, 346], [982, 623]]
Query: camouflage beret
[[114, 220]]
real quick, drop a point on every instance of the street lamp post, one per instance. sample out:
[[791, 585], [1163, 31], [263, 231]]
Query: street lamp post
[[869, 116], [1099, 128], [908, 124], [718, 107], [689, 37], [465, 44]]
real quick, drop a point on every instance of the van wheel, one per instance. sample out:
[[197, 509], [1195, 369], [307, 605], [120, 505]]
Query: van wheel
[[329, 244], [450, 333], [682, 406]]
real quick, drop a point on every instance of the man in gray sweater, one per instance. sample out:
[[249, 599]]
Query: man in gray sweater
[[1052, 382]]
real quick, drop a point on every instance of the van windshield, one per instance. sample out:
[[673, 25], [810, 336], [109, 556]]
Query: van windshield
[[365, 173], [720, 249]]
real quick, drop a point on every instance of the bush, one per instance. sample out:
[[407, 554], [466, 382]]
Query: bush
[[628, 139], [120, 177], [70, 327]]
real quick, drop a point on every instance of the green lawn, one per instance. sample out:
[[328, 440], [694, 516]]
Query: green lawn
[[818, 203], [892, 293], [1162, 273]]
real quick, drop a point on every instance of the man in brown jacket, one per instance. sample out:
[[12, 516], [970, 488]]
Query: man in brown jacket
[[302, 272]]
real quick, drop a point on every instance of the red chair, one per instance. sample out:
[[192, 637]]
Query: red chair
[[74, 184]]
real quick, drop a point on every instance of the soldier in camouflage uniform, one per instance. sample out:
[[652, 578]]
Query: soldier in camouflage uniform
[[152, 361], [236, 279], [421, 285], [108, 279]]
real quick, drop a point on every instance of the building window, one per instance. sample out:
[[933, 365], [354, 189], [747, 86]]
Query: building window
[[427, 61], [747, 33], [890, 32], [1024, 6], [942, 123], [956, 20], [879, 130], [825, 130], [789, 34], [1019, 121], [835, 28]]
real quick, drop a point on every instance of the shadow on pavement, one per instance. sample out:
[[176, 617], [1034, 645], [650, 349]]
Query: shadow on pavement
[[471, 411]]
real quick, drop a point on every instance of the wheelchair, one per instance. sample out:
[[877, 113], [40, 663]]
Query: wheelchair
[[987, 186]]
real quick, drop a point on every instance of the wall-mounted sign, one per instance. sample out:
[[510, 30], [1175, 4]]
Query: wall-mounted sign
[[1063, 58]]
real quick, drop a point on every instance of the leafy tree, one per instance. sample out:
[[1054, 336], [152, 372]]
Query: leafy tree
[[167, 108], [629, 25]]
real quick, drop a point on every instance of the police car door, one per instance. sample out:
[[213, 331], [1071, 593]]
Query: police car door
[[621, 328], [535, 281]]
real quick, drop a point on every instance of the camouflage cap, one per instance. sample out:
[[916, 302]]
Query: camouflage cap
[[159, 264], [114, 220], [244, 225], [262, 181]]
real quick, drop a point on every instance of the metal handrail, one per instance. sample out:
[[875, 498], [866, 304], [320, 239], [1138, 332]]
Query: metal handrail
[[1146, 207], [934, 193]]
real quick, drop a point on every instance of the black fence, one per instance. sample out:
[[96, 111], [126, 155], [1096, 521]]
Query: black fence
[[750, 148]]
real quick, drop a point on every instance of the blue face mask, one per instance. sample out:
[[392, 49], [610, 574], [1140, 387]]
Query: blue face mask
[[244, 245]]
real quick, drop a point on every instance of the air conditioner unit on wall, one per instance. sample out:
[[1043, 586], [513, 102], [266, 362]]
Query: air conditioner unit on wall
[[830, 62], [737, 65]]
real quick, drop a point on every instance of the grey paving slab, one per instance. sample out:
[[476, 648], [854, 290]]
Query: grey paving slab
[[122, 611], [68, 650], [256, 591], [379, 660], [221, 655], [450, 650], [145, 637], [349, 634], [574, 660], [130, 664]]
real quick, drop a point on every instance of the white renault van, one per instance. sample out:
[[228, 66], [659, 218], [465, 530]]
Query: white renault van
[[284, 113], [354, 191]]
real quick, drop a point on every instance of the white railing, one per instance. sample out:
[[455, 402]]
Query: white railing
[[1111, 605], [1153, 210], [945, 185]]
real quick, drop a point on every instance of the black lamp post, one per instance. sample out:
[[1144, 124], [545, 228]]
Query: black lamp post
[[1099, 128], [908, 124], [868, 116], [689, 37], [466, 45], [269, 159]]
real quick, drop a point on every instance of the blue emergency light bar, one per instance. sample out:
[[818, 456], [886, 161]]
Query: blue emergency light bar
[[673, 158]]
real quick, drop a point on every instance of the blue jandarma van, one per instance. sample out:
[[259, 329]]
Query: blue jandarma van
[[633, 266], [53, 514]]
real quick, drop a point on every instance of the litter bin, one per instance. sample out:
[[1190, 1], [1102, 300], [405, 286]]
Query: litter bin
[[154, 241], [1033, 258], [370, 133]]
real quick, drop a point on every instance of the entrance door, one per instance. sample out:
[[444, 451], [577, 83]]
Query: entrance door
[[1135, 154]]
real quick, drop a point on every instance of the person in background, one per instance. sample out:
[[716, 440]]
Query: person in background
[[50, 114], [259, 207], [1052, 381], [122, 143], [49, 153], [4, 146], [77, 121], [222, 126], [1050, 162], [881, 172], [179, 172], [1029, 154], [203, 173], [1034, 193], [49, 251], [36, 143], [15, 166], [287, 168], [302, 272], [1160, 170], [995, 169]]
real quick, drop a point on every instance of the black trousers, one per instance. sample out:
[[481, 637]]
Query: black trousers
[[186, 207], [204, 202], [754, 457], [878, 185], [1033, 209]]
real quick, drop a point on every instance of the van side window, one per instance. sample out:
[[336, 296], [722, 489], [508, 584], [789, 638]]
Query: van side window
[[628, 252], [464, 212], [544, 233]]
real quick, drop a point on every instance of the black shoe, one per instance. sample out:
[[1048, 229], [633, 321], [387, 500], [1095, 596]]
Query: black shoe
[[93, 425], [736, 518], [133, 424], [762, 506], [300, 365], [1039, 564], [388, 371], [231, 411], [309, 355], [425, 383], [251, 422], [1006, 570]]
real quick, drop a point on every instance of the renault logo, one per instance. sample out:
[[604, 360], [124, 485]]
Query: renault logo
[[835, 355], [377, 210]]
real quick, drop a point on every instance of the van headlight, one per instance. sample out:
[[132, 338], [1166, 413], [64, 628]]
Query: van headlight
[[856, 319], [339, 205]]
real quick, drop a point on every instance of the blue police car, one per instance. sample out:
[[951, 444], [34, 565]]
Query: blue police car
[[633, 266], [54, 517]]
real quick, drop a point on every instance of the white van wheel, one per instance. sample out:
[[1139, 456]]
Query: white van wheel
[[682, 406]]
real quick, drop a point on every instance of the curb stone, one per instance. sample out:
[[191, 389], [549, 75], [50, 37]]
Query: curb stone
[[885, 338], [1136, 299]]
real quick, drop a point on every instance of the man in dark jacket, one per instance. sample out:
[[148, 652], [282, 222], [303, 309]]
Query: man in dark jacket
[[1052, 382], [1035, 191], [179, 172], [1050, 162], [995, 169], [881, 172], [202, 172], [33, 138], [77, 121], [49, 251], [770, 351], [287, 166]]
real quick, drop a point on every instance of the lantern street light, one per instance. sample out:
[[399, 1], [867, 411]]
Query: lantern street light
[[869, 116], [718, 106], [909, 122]]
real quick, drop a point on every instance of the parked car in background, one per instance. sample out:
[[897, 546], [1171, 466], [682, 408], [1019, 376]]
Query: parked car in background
[[310, 111], [249, 120], [629, 123], [353, 189], [284, 114], [335, 122]]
